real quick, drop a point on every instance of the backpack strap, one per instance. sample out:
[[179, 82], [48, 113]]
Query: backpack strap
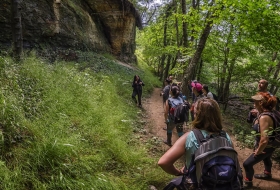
[[170, 102], [200, 138], [170, 106], [223, 134], [271, 114]]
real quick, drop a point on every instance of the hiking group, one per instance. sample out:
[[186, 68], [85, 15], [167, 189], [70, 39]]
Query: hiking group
[[210, 159]]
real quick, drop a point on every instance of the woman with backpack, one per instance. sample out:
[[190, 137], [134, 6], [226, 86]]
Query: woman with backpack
[[170, 105], [263, 149], [208, 122], [137, 89]]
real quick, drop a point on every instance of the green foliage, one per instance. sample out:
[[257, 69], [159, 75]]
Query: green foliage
[[70, 125], [241, 130], [239, 49]]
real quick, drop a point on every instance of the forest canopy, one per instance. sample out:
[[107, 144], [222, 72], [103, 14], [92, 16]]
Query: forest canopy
[[227, 44]]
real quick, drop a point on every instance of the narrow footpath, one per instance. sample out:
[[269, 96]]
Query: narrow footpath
[[153, 107]]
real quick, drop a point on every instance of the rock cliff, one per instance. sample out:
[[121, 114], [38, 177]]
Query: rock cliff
[[56, 27]]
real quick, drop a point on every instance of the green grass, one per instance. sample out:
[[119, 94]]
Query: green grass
[[71, 126]]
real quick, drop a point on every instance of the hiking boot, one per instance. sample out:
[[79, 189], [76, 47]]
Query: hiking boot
[[167, 143], [248, 184], [263, 176]]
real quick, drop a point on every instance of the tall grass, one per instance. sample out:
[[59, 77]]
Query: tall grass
[[70, 126]]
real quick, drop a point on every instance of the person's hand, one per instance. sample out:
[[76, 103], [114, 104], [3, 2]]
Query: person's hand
[[254, 112], [256, 152], [181, 172], [140, 82]]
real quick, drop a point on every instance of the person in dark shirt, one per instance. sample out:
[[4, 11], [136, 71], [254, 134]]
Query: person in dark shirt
[[137, 89]]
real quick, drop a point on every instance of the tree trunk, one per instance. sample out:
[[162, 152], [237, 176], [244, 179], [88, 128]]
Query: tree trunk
[[185, 33], [197, 55], [221, 94], [16, 31], [269, 70], [199, 69], [228, 80], [161, 71], [165, 75], [167, 14]]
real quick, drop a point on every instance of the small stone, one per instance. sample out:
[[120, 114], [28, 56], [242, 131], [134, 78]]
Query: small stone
[[152, 187]]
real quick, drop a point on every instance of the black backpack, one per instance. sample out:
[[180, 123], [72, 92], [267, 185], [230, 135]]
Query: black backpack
[[274, 139], [214, 165], [179, 111]]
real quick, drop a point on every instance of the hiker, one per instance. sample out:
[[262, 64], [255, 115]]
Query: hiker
[[172, 102], [137, 89], [208, 120], [179, 84], [198, 94], [165, 91], [262, 87], [263, 150], [206, 92], [170, 77], [173, 80]]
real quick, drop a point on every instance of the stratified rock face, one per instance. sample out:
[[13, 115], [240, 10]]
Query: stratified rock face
[[96, 25]]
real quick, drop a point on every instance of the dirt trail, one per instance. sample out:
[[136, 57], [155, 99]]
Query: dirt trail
[[154, 110]]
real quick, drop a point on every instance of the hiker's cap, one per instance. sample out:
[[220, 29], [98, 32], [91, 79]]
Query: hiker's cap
[[197, 86], [258, 97]]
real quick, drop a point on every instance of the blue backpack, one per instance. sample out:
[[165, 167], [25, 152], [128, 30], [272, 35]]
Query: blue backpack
[[179, 110], [214, 165]]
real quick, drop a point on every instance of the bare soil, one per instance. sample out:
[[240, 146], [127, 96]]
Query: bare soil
[[153, 108]]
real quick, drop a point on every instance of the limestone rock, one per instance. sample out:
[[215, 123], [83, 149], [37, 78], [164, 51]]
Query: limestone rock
[[86, 25]]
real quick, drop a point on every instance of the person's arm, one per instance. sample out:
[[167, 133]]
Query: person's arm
[[166, 162], [166, 92], [252, 115], [254, 112], [265, 123], [140, 82], [166, 110]]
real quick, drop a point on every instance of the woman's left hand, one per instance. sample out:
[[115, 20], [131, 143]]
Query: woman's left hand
[[258, 153]]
